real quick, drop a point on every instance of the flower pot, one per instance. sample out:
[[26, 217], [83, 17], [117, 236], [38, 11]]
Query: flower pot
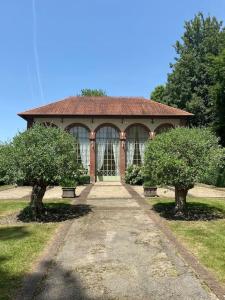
[[150, 191], [68, 192]]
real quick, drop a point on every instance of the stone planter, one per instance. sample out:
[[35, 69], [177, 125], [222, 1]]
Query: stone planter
[[68, 192], [150, 191]]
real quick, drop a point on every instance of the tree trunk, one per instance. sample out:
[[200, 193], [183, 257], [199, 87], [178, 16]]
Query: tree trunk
[[180, 201], [36, 203]]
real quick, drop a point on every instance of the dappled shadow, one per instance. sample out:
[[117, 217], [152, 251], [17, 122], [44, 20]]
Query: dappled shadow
[[56, 212], [58, 284], [13, 232], [194, 211]]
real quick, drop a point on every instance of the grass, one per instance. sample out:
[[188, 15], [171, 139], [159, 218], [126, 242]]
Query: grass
[[205, 238], [10, 206], [6, 187], [20, 245]]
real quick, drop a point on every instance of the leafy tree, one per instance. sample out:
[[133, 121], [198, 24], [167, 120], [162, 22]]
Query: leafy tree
[[159, 94], [188, 85], [93, 92], [4, 163], [41, 156], [217, 69], [181, 157]]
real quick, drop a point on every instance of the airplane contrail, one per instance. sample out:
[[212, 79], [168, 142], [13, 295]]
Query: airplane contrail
[[30, 82], [36, 56]]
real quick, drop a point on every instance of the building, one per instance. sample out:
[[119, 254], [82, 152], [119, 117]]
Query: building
[[111, 132]]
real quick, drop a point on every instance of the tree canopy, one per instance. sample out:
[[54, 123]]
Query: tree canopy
[[92, 92], [159, 94], [217, 68], [189, 83], [181, 157], [40, 156]]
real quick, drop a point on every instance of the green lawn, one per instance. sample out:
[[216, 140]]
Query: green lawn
[[10, 206], [205, 239], [20, 245]]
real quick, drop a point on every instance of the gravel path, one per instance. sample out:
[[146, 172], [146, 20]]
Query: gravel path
[[201, 191]]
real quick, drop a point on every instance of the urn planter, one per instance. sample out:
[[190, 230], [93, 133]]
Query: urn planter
[[68, 192], [150, 191]]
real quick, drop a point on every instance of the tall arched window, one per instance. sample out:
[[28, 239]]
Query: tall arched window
[[81, 135], [107, 154], [137, 136]]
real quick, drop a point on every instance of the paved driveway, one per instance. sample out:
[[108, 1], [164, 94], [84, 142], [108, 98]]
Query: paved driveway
[[117, 252]]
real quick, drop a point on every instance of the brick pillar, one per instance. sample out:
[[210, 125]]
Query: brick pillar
[[92, 157], [122, 155]]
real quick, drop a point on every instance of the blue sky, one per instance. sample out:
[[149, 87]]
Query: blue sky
[[51, 49]]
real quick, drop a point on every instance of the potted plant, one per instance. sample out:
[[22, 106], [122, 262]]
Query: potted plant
[[68, 188], [150, 188]]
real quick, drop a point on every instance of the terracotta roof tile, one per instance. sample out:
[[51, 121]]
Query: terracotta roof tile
[[105, 106]]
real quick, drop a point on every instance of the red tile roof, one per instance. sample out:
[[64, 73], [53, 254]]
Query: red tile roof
[[105, 106]]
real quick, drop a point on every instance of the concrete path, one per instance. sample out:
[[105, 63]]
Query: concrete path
[[117, 252]]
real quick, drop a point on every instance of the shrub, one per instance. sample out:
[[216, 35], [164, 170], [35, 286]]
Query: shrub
[[81, 176], [134, 175], [42, 156], [181, 158], [68, 182], [5, 151], [84, 179]]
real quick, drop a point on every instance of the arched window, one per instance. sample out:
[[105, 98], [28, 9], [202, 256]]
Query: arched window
[[81, 135], [136, 138], [163, 128], [107, 152]]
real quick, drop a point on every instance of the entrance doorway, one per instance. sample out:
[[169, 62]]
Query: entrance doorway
[[107, 154]]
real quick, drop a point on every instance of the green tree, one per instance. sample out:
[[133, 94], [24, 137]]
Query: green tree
[[188, 85], [5, 151], [41, 156], [92, 92], [181, 157], [159, 94], [217, 69]]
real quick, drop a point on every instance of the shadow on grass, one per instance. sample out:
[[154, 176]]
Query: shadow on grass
[[13, 232], [194, 211], [56, 212]]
